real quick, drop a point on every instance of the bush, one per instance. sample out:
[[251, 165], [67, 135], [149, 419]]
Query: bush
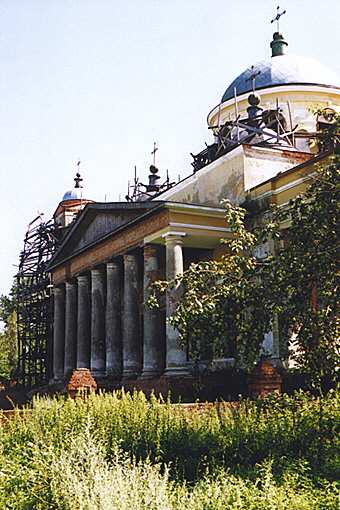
[[120, 449]]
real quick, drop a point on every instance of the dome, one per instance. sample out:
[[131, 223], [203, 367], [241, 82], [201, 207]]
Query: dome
[[283, 70], [73, 194], [77, 192]]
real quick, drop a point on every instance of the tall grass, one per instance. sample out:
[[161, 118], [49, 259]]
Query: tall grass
[[123, 451]]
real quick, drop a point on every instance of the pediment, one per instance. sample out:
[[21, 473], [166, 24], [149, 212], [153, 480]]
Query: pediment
[[100, 225], [96, 222]]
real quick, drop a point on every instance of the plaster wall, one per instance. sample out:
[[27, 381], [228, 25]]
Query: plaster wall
[[232, 175], [263, 164], [209, 186], [287, 185]]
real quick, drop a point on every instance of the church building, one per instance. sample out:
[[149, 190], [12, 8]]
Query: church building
[[265, 150]]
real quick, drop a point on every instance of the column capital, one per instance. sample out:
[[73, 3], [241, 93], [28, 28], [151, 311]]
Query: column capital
[[112, 265], [151, 250], [58, 290], [82, 279], [174, 237], [97, 272], [130, 256], [70, 284]]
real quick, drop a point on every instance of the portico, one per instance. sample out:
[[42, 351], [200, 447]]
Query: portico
[[101, 320]]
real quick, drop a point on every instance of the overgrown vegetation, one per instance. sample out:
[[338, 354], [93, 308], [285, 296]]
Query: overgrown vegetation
[[122, 451], [229, 304], [8, 336], [303, 278]]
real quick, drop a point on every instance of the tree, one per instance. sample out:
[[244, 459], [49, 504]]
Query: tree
[[8, 337], [304, 274], [230, 303], [224, 307]]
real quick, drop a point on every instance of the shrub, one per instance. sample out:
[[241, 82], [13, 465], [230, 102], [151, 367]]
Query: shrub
[[76, 454]]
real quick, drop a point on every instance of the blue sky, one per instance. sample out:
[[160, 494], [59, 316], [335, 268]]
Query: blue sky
[[101, 80]]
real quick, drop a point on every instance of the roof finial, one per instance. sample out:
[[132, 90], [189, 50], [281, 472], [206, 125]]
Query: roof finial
[[153, 178], [253, 99], [278, 44], [278, 16], [252, 77], [78, 179], [155, 149]]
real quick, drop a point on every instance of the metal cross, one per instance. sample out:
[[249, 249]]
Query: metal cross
[[252, 77], [155, 149], [78, 179], [278, 16]]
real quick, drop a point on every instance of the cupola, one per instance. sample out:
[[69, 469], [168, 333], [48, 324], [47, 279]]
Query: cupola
[[72, 203]]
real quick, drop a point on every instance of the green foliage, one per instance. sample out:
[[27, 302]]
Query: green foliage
[[228, 305], [329, 137], [122, 451], [303, 277], [8, 337], [223, 308], [8, 347]]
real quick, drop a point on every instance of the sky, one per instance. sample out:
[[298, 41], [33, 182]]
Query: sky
[[101, 80]]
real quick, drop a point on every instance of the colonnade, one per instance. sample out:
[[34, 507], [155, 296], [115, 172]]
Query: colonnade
[[101, 321]]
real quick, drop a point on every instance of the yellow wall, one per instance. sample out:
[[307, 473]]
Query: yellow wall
[[232, 175], [283, 187]]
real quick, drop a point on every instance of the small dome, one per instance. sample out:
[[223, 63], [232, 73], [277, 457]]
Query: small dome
[[73, 194], [283, 70]]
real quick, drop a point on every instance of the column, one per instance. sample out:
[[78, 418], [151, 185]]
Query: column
[[153, 349], [114, 354], [58, 333], [271, 342], [131, 330], [176, 357], [70, 328], [98, 362], [83, 322]]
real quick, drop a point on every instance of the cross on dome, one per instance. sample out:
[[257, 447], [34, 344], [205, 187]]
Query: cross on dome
[[78, 179], [76, 193], [277, 17], [155, 149], [252, 77]]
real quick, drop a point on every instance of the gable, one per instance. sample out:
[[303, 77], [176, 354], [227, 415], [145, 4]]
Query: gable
[[96, 222], [100, 225]]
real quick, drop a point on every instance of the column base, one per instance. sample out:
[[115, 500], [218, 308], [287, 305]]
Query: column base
[[54, 386], [82, 364], [150, 374], [175, 371], [130, 374], [114, 375], [68, 373], [58, 379], [98, 374], [276, 361]]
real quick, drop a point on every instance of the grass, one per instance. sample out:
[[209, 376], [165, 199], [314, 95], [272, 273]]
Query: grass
[[121, 451]]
